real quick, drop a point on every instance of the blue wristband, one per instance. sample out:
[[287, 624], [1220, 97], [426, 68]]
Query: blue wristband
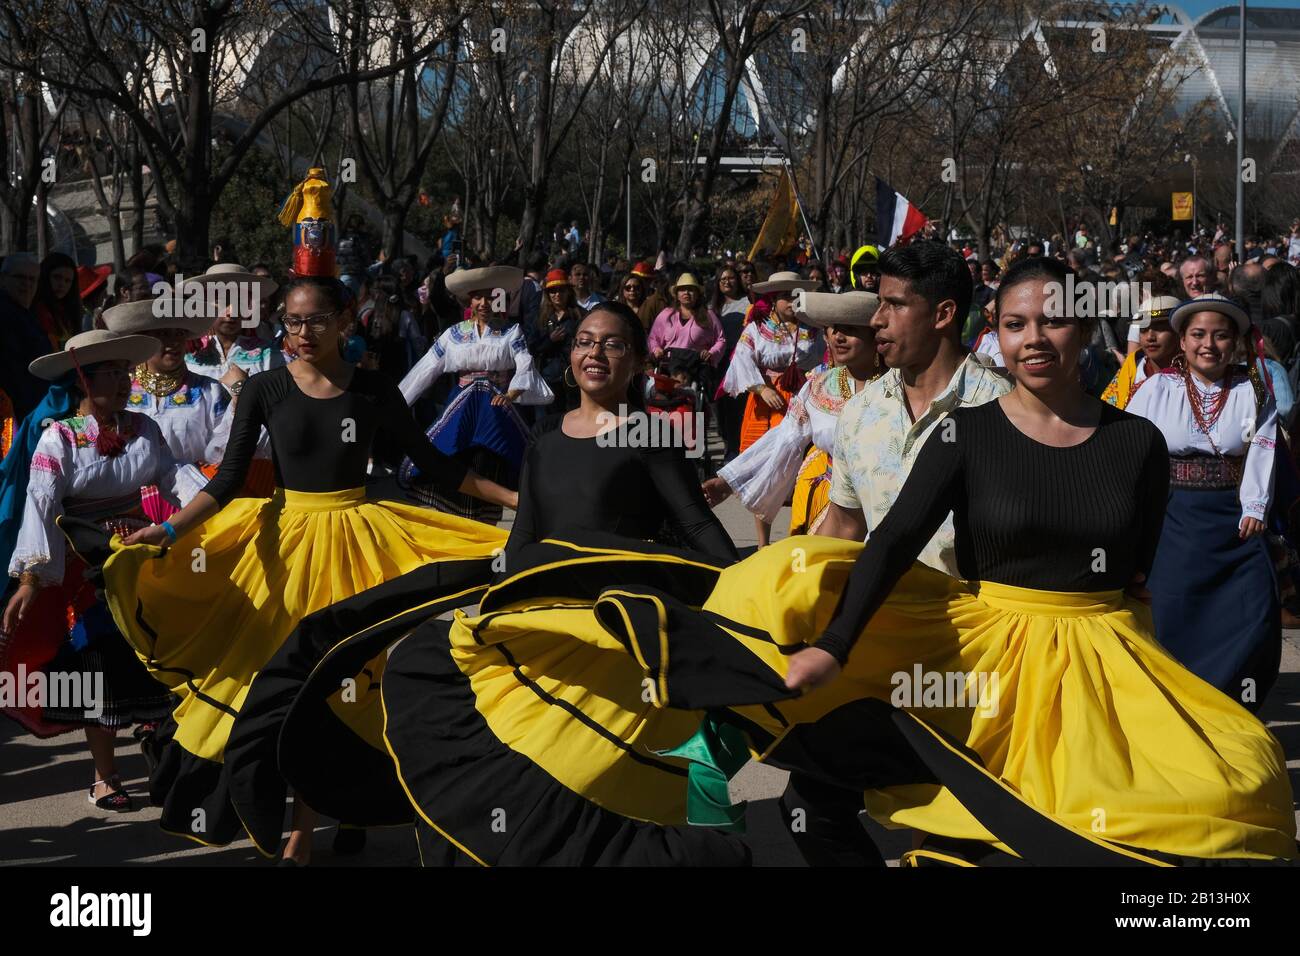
[[167, 526]]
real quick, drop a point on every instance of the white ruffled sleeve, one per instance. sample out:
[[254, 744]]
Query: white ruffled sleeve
[[426, 371], [168, 473], [743, 372], [1257, 479], [764, 474], [220, 437], [532, 388], [40, 545]]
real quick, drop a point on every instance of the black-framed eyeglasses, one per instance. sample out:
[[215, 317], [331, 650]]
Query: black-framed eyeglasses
[[614, 347], [317, 323]]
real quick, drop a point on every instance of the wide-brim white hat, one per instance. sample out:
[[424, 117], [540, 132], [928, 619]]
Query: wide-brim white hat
[[783, 282], [227, 272], [152, 315], [464, 281], [88, 348], [824, 309], [1210, 302]]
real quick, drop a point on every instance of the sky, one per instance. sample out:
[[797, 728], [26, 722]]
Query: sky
[[1195, 8]]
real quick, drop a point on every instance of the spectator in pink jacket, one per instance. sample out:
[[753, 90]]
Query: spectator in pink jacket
[[688, 324]]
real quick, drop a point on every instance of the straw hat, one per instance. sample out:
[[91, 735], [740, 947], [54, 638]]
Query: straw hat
[[686, 280], [464, 281], [150, 315], [824, 309], [1210, 302], [100, 345], [783, 282]]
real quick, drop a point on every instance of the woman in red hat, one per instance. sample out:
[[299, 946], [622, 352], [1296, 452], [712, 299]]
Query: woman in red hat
[[548, 340]]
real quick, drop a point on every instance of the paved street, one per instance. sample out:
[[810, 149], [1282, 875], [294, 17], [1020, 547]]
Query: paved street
[[45, 818]]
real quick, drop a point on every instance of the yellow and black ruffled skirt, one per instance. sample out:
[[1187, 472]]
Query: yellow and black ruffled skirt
[[522, 735], [207, 614], [1045, 719], [586, 711]]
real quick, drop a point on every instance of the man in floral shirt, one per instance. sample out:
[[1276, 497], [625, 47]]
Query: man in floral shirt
[[925, 292]]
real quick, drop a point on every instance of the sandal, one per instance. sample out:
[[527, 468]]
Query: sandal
[[117, 799]]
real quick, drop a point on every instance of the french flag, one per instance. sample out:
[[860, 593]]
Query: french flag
[[897, 220]]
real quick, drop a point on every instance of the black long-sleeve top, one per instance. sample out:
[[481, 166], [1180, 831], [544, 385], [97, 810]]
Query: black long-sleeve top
[[577, 484], [323, 444], [1082, 518]]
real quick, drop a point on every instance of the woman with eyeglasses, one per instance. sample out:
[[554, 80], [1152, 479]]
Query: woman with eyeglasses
[[530, 705], [208, 595], [481, 426], [91, 462]]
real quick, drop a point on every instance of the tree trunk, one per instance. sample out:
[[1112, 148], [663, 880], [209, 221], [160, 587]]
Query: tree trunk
[[394, 227]]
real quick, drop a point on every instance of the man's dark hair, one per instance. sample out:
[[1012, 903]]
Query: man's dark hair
[[934, 270], [1281, 294]]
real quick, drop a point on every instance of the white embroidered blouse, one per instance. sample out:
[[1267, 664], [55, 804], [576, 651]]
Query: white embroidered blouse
[[187, 417], [765, 350], [1241, 429], [764, 474], [500, 351], [69, 475], [250, 353]]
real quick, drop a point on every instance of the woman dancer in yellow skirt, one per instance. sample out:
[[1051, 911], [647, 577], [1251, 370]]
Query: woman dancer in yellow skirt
[[1033, 717], [1047, 710], [795, 456], [208, 597]]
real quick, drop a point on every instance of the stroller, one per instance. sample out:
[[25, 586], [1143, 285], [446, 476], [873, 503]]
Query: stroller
[[676, 390]]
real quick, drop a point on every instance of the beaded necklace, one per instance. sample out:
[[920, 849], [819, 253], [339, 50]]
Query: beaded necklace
[[1207, 410]]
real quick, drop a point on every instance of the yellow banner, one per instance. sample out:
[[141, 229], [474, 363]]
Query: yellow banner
[[781, 225], [1182, 206]]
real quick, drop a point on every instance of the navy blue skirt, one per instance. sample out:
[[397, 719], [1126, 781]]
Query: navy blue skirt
[[1215, 597], [490, 439]]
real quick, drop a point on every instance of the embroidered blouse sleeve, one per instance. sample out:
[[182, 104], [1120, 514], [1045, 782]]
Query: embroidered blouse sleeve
[[168, 476], [743, 372], [40, 547], [764, 474], [532, 388], [426, 371], [1257, 480]]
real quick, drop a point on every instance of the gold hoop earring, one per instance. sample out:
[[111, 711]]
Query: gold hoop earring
[[569, 380]]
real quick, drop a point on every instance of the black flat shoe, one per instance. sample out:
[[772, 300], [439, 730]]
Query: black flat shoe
[[116, 800]]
